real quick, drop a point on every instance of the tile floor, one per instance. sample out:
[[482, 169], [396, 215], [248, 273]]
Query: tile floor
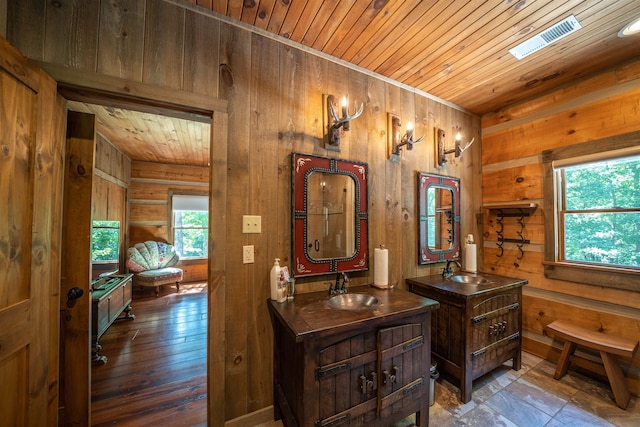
[[528, 398]]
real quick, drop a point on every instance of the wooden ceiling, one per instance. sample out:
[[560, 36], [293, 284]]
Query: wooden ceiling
[[455, 50]]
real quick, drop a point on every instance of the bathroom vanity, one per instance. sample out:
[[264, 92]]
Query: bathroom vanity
[[478, 326], [361, 358]]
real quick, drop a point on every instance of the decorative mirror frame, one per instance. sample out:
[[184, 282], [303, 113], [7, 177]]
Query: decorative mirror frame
[[425, 254], [303, 165]]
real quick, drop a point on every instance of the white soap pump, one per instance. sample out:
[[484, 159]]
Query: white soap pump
[[274, 278]]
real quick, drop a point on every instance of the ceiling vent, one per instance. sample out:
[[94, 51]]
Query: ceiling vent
[[548, 36]]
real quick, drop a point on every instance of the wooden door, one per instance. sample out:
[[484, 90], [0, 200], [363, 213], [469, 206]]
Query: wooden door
[[30, 200], [75, 324]]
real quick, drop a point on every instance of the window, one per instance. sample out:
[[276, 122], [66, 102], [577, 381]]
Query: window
[[599, 212], [105, 241], [593, 198], [190, 224]]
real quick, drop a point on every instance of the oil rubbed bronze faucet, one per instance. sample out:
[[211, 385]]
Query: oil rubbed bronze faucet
[[338, 288], [448, 272]]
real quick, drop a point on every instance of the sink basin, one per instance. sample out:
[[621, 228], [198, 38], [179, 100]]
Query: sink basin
[[469, 279], [352, 301]]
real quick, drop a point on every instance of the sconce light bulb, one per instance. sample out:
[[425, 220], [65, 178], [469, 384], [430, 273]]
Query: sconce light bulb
[[344, 101], [409, 126], [458, 136]]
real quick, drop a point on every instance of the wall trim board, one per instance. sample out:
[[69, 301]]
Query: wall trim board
[[508, 164], [312, 51], [86, 86], [252, 419], [148, 202], [574, 103], [581, 302], [170, 182], [149, 223], [111, 179]]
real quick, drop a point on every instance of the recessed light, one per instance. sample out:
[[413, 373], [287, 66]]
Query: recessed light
[[630, 29]]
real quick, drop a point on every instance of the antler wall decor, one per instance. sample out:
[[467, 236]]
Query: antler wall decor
[[335, 124], [441, 153], [394, 141]]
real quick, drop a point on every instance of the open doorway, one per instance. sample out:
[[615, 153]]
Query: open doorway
[[141, 160]]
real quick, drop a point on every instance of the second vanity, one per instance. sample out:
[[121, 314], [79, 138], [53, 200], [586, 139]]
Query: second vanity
[[336, 364], [478, 326]]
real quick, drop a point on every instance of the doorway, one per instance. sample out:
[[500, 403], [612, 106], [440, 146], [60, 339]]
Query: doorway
[[134, 142]]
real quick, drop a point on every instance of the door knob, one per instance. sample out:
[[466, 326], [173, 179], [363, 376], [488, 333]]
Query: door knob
[[74, 293]]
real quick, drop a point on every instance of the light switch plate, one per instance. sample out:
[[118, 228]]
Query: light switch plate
[[251, 224], [247, 254]]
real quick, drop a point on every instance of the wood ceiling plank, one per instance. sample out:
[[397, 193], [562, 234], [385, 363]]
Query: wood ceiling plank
[[234, 9], [291, 20], [278, 15], [419, 41], [340, 14], [354, 26], [265, 10], [594, 45], [488, 47], [394, 44], [321, 19], [303, 22], [390, 16], [249, 11], [219, 6]]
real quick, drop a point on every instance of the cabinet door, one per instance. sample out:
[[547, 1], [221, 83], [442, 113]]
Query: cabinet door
[[493, 319], [402, 376], [348, 382]]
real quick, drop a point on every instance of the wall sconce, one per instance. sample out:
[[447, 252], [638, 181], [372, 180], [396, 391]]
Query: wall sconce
[[334, 124], [395, 142], [441, 154]]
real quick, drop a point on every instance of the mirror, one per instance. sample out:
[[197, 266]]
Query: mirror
[[439, 218], [330, 218]]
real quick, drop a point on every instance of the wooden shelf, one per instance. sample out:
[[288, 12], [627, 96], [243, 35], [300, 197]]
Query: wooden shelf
[[519, 205]]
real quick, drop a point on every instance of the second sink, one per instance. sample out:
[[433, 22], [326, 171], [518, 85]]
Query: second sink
[[352, 301], [469, 279]]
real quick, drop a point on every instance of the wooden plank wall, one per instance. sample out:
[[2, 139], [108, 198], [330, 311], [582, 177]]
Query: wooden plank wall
[[274, 92], [513, 139], [151, 187], [110, 187]]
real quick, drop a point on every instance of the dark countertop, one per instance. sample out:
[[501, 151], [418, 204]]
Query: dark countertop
[[309, 314], [498, 283]]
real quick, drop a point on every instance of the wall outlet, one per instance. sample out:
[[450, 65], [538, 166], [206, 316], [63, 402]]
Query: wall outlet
[[251, 224], [247, 254]]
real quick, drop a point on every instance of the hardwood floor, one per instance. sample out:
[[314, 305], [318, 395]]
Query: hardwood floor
[[156, 372]]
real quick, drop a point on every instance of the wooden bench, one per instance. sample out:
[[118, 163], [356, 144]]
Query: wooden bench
[[609, 346]]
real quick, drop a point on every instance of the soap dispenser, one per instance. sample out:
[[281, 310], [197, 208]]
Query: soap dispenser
[[275, 279]]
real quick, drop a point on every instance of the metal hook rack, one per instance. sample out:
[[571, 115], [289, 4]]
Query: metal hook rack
[[518, 211]]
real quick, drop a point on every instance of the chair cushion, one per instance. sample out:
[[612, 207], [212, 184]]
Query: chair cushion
[[159, 277], [151, 255]]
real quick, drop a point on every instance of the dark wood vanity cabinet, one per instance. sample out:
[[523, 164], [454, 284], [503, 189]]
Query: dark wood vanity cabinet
[[360, 368], [476, 329]]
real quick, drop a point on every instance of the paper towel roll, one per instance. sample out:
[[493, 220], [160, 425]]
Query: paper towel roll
[[470, 258], [381, 266]]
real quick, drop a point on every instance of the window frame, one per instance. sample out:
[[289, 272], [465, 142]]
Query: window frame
[[589, 273], [172, 228]]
